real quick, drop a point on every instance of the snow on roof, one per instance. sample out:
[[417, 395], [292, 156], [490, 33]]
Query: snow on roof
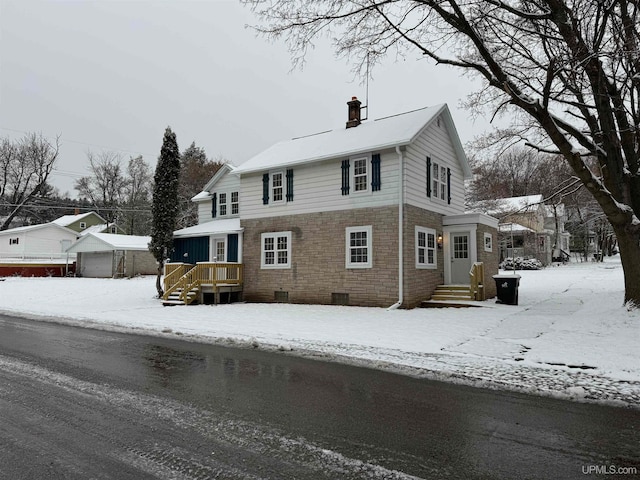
[[94, 229], [513, 227], [67, 220], [201, 196], [378, 134], [513, 204], [229, 225], [112, 241], [28, 228]]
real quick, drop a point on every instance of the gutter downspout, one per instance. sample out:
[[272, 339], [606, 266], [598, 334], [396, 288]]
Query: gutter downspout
[[399, 151]]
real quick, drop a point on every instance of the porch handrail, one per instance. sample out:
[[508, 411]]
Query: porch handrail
[[173, 272], [206, 273], [476, 275]]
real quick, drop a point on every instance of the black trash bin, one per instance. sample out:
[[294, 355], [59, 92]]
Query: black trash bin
[[507, 288]]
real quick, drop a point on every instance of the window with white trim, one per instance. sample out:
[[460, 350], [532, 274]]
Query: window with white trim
[[276, 250], [222, 204], [359, 247], [360, 175], [426, 248], [83, 225], [235, 203], [439, 181], [488, 242], [277, 187]]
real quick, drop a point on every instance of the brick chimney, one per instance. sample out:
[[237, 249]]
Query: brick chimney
[[354, 112]]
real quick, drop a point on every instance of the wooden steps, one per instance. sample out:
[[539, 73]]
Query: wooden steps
[[452, 292], [174, 298]]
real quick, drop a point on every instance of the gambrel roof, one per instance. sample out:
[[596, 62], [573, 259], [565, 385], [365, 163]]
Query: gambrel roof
[[383, 133]]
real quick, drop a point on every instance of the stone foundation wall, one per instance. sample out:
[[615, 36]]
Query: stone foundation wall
[[420, 283], [318, 257]]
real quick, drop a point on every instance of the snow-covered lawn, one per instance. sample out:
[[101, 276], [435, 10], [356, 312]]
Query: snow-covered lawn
[[569, 336]]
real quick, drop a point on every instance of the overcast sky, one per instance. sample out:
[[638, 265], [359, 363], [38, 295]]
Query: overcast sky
[[113, 74]]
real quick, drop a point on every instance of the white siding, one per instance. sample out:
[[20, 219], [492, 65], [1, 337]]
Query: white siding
[[317, 187], [434, 142], [227, 184], [38, 243]]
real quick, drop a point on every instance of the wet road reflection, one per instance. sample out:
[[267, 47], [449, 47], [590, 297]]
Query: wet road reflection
[[425, 429]]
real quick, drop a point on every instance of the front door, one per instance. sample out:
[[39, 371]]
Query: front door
[[460, 258], [219, 250]]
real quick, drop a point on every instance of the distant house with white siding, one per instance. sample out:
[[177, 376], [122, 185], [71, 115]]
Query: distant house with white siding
[[371, 215]]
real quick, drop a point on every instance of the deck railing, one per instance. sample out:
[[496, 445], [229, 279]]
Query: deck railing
[[173, 272], [476, 275], [212, 274]]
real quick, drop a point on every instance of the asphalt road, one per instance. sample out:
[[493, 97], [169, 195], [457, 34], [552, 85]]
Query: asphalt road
[[85, 404]]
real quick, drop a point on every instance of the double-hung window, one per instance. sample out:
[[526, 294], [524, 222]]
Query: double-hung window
[[439, 181], [276, 250], [235, 203], [426, 248], [360, 175], [277, 187], [222, 204], [359, 247]]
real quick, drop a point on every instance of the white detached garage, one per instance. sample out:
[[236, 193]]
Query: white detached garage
[[105, 255]]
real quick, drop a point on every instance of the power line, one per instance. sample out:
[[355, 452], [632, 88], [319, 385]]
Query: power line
[[114, 149]]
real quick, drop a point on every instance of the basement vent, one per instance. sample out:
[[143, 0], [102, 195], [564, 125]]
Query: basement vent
[[280, 296], [340, 299]]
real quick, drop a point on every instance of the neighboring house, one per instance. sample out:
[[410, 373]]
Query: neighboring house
[[36, 250], [42, 250], [89, 222], [370, 215], [529, 228], [106, 255]]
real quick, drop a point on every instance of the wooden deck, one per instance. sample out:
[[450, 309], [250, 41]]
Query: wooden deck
[[185, 283]]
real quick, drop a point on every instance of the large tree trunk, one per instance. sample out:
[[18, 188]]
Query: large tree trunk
[[158, 280], [629, 246]]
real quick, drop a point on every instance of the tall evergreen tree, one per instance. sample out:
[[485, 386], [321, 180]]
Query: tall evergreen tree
[[164, 208]]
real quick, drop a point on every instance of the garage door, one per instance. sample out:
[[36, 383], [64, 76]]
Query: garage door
[[97, 264]]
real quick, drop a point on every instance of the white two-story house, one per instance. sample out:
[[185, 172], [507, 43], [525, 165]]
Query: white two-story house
[[370, 215]]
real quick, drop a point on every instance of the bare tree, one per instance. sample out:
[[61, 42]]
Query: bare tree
[[195, 170], [105, 187], [25, 167], [137, 201], [566, 71]]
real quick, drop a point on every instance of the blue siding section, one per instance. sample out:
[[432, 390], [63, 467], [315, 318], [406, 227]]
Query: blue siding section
[[196, 249]]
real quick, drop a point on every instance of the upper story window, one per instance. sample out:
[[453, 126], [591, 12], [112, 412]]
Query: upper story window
[[222, 204], [359, 247], [235, 203], [360, 175], [438, 181], [276, 250], [83, 225], [277, 187], [273, 187], [426, 248], [113, 229], [14, 241]]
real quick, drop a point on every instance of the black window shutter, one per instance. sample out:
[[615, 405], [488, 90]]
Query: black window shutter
[[232, 247], [448, 185], [375, 172], [290, 185], [345, 177], [428, 176], [265, 189], [214, 205]]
